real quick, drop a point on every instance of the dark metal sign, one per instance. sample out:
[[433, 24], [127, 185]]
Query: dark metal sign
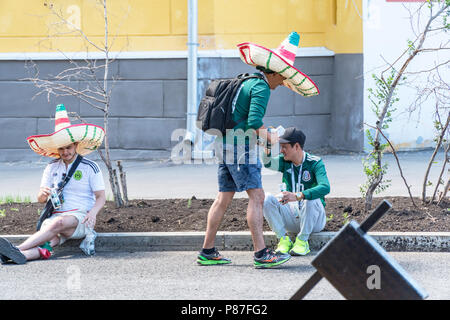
[[359, 268]]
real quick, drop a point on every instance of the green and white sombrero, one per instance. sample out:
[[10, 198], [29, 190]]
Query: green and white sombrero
[[88, 136], [280, 60]]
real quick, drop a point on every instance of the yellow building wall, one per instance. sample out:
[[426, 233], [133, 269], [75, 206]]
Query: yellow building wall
[[155, 25]]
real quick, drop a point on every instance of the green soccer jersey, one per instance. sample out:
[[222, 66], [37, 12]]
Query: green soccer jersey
[[251, 105], [313, 176]]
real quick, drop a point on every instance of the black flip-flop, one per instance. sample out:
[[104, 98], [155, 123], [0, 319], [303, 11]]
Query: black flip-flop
[[10, 251]]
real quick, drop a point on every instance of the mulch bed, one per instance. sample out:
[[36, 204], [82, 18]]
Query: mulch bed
[[191, 214]]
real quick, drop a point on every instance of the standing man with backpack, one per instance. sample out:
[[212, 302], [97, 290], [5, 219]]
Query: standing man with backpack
[[240, 168]]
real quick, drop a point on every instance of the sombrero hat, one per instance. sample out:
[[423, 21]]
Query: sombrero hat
[[88, 136], [280, 60]]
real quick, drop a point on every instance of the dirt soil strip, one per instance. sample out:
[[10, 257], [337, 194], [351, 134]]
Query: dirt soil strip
[[191, 214]]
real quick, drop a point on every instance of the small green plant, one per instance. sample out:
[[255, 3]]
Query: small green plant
[[346, 217], [189, 203], [330, 217], [372, 170], [9, 199], [2, 213], [14, 209]]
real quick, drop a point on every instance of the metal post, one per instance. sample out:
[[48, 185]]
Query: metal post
[[192, 44]]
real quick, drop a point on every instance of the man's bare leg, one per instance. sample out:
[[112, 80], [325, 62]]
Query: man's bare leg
[[63, 225], [255, 217], [215, 216], [34, 254]]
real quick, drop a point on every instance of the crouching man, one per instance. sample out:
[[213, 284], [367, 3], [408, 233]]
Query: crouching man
[[82, 197], [301, 208]]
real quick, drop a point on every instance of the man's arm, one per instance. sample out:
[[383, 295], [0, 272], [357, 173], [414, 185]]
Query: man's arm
[[323, 185], [273, 163], [44, 190], [100, 200]]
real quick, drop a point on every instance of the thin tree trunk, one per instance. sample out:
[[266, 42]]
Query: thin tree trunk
[[377, 180], [119, 201], [123, 181], [442, 172], [112, 172], [430, 163], [399, 167], [444, 193]]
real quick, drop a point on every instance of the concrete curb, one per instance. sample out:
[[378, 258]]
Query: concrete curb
[[192, 241]]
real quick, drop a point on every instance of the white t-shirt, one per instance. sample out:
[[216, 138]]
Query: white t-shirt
[[78, 193]]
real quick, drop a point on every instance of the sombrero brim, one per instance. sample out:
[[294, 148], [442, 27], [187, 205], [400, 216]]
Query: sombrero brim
[[88, 136], [256, 55]]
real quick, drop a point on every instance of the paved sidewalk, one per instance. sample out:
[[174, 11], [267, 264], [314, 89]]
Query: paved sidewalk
[[175, 275], [165, 180]]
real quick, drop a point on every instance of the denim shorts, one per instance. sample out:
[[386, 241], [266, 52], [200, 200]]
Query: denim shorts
[[239, 174]]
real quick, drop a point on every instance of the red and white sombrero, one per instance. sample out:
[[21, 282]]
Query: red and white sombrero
[[280, 60], [88, 136]]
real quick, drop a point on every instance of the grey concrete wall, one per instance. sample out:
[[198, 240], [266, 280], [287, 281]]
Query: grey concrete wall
[[149, 102], [347, 114]]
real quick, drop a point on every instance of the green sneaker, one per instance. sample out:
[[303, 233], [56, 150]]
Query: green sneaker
[[270, 259], [214, 258], [284, 245], [300, 248]]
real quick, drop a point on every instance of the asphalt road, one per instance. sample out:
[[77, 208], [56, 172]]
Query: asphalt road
[[176, 276]]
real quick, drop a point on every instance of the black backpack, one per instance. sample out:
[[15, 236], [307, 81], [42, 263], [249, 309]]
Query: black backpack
[[215, 108]]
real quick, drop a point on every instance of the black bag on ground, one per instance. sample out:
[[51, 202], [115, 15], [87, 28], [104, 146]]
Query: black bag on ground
[[215, 108], [48, 210]]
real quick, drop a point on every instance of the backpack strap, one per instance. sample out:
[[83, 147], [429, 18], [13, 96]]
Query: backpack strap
[[246, 76], [48, 210], [71, 172]]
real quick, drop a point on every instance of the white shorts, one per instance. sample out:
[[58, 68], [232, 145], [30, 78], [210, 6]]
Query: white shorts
[[80, 231]]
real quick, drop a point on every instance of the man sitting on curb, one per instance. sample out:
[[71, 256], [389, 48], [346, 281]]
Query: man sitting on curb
[[300, 209], [83, 195]]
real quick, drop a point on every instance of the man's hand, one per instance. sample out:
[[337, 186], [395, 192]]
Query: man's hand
[[288, 197], [90, 219], [271, 137], [43, 194]]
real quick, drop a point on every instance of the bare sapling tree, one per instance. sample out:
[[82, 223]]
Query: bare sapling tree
[[408, 187], [89, 80], [387, 86], [438, 89]]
